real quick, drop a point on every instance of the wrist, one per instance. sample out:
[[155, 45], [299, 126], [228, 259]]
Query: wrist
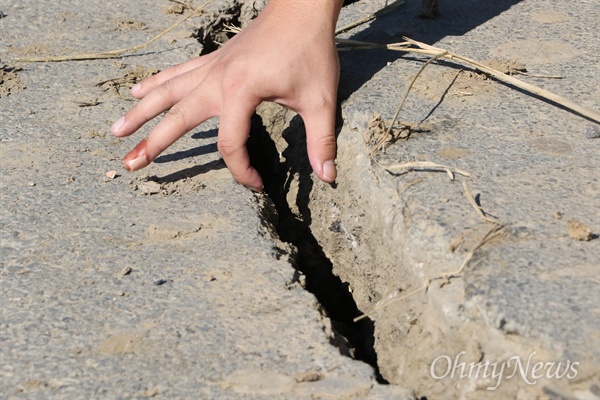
[[309, 13]]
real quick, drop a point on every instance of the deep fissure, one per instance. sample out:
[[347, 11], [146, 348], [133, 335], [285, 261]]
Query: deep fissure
[[355, 340]]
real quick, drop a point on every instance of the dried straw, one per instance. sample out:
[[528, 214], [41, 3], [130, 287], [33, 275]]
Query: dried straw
[[114, 53], [413, 46]]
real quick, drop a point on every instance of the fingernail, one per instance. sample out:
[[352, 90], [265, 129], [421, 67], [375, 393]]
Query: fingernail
[[256, 189], [116, 127], [137, 158], [329, 172], [136, 88]]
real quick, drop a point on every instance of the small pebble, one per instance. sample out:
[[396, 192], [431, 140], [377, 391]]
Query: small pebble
[[592, 132], [125, 271], [160, 282], [31, 184], [111, 174]]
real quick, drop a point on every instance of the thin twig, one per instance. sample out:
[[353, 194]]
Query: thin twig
[[476, 206], [422, 48], [539, 75], [114, 53], [382, 305], [494, 232], [383, 138], [424, 165]]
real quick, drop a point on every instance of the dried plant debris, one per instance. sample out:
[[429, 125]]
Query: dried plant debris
[[413, 46], [377, 138], [402, 168], [115, 53], [129, 25], [579, 231], [508, 67], [131, 77], [10, 82], [178, 7]]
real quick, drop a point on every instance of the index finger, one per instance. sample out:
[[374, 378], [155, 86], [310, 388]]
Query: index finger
[[190, 112]]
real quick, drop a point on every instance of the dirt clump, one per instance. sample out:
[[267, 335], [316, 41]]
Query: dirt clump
[[10, 82], [129, 25], [508, 67], [130, 78], [579, 231]]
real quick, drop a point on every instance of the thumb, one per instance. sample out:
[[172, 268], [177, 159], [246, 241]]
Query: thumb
[[320, 142]]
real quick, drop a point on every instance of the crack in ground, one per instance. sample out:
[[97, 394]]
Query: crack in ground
[[354, 340]]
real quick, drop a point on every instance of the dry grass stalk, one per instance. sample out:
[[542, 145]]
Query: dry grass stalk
[[476, 206], [494, 232], [383, 140], [413, 46], [114, 53], [425, 165]]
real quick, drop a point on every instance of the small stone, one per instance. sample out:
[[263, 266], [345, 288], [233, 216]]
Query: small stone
[[592, 132], [160, 282], [309, 376], [31, 184], [111, 174], [125, 271]]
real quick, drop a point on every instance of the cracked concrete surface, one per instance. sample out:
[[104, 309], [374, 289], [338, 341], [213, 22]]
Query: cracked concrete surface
[[172, 283]]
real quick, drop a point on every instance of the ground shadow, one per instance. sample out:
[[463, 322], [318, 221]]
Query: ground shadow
[[456, 18], [199, 169], [191, 172], [194, 152]]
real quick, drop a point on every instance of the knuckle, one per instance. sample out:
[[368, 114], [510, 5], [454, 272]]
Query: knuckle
[[176, 116], [235, 77], [226, 147], [167, 91], [325, 142]]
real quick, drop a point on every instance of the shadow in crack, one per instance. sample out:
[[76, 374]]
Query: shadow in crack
[[353, 339]]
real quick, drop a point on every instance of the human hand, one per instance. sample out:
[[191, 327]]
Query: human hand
[[287, 55]]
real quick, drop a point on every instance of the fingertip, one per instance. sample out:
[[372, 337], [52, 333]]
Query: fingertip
[[252, 181], [137, 158], [136, 90], [329, 171], [117, 127]]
